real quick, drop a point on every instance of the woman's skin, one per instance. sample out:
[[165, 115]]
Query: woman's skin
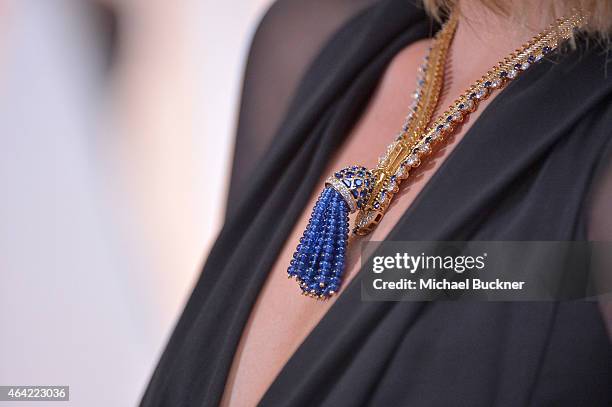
[[282, 318]]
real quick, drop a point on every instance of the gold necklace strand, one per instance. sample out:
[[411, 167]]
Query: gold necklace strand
[[433, 80], [418, 143], [428, 94]]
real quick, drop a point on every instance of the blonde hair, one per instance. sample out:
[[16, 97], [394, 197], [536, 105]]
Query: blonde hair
[[599, 11]]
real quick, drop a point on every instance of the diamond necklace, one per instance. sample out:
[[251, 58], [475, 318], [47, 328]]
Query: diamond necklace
[[318, 262]]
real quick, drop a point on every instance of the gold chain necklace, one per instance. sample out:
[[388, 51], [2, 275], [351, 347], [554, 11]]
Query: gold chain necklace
[[318, 263], [430, 81]]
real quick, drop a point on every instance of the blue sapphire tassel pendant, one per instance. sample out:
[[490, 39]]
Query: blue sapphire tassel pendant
[[319, 259]]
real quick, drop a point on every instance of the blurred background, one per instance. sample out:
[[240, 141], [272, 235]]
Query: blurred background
[[116, 135]]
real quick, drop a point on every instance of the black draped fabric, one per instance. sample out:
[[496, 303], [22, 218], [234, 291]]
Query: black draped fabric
[[286, 41], [524, 171]]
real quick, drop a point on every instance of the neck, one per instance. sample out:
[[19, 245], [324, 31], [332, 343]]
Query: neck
[[484, 37]]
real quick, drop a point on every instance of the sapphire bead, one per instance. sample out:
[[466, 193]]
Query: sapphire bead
[[314, 264]]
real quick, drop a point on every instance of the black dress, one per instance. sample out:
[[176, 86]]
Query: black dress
[[524, 171]]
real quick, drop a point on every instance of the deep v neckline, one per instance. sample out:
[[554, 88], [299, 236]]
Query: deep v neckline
[[468, 146], [402, 222], [353, 287]]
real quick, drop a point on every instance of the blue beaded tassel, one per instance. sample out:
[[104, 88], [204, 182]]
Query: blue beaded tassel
[[318, 262]]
